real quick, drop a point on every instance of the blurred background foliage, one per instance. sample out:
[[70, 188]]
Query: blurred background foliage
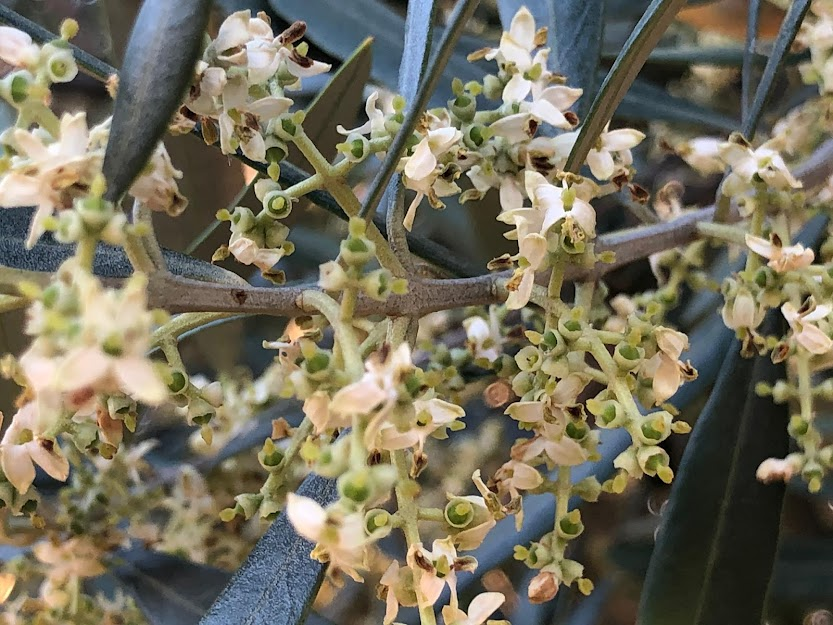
[[690, 86]]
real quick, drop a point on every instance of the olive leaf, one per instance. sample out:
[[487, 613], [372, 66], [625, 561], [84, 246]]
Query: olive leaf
[[159, 63], [643, 39], [278, 581], [783, 42], [716, 545]]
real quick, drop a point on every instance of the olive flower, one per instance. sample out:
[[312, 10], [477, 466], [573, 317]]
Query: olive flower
[[803, 322]]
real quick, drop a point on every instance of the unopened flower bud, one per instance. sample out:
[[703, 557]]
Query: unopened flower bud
[[459, 513], [529, 359], [357, 251], [355, 148], [70, 227], [59, 63], [332, 276], [16, 86], [627, 356], [570, 526], [543, 587], [269, 456], [492, 87], [463, 107], [377, 523], [213, 393]]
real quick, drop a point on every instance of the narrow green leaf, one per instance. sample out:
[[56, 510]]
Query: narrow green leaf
[[158, 65], [753, 15], [716, 545], [786, 35], [278, 581], [648, 102], [643, 39]]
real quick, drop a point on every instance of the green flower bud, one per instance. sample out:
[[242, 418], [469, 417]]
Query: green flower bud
[[356, 486], [588, 489], [459, 513], [355, 148], [529, 359], [318, 364], [570, 525], [492, 87], [798, 426], [523, 383], [15, 87], [95, 212], [570, 329], [59, 64], [377, 523], [463, 107], [627, 356], [70, 227], [269, 456], [357, 251], [278, 204]]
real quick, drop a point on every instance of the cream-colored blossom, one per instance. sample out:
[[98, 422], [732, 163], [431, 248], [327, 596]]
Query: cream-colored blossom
[[748, 165], [742, 311], [156, 186], [702, 154], [44, 167], [430, 415], [484, 337], [24, 445], [804, 324], [17, 48], [438, 568], [249, 252], [375, 124], [480, 609], [76, 557], [781, 258], [665, 368], [548, 106], [340, 538], [422, 172]]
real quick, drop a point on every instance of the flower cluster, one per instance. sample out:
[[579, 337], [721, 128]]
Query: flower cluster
[[56, 167]]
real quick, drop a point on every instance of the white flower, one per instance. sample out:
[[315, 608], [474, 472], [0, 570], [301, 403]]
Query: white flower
[[247, 251], [776, 470], [23, 447], [781, 258], [429, 416], [421, 169], [17, 48], [803, 324], [548, 106], [550, 205], [375, 124], [480, 609], [742, 311], [156, 187], [340, 539], [702, 154], [749, 165], [665, 368], [613, 146], [438, 567], [44, 168], [517, 43], [108, 352], [484, 338]]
